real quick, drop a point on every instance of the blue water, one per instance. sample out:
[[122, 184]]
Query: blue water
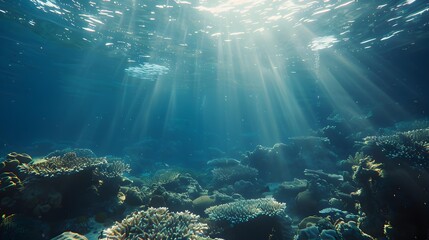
[[189, 81]]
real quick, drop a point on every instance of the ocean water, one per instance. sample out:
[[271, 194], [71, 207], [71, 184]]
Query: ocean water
[[178, 83]]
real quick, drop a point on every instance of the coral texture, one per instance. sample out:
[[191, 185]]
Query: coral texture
[[393, 183], [67, 164], [245, 210], [158, 224], [231, 174], [112, 169], [411, 145]]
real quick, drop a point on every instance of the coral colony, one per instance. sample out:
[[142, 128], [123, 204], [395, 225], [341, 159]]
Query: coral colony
[[380, 191]]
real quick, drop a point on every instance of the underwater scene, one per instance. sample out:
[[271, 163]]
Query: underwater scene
[[214, 119]]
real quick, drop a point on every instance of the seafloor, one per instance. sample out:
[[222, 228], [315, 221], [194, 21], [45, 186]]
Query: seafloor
[[306, 188]]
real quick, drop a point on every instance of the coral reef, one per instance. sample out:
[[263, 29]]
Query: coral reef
[[289, 189], [272, 163], [284, 162], [59, 186], [231, 177], [317, 228], [389, 194], [172, 189], [261, 218], [66, 164], [411, 145], [184, 183], [157, 223], [321, 192], [381, 190], [112, 169], [351, 160], [232, 173], [393, 183], [247, 189], [245, 210]]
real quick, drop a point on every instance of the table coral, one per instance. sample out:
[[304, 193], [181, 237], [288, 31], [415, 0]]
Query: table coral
[[157, 224], [262, 218], [67, 164], [245, 210]]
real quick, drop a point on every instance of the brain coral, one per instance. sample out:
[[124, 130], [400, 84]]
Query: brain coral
[[67, 164], [245, 210], [157, 224]]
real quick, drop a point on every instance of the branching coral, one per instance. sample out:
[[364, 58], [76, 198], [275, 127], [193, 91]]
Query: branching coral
[[157, 224], [245, 210], [67, 164], [367, 170], [112, 169], [262, 218], [355, 159], [410, 146]]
